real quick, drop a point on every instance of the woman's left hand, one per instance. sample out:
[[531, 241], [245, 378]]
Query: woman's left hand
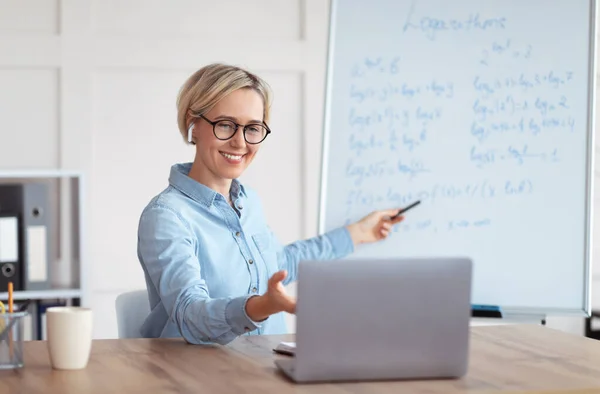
[[373, 227]]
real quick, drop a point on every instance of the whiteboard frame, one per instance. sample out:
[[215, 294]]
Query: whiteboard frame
[[586, 308], [592, 78], [326, 118]]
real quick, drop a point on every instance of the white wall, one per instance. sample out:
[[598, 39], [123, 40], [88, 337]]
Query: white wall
[[91, 85]]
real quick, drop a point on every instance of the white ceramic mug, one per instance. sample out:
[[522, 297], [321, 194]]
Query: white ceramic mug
[[69, 336]]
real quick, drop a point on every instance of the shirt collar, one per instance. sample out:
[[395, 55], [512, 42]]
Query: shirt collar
[[180, 180]]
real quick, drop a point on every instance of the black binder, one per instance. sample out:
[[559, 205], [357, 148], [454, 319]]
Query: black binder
[[11, 251]]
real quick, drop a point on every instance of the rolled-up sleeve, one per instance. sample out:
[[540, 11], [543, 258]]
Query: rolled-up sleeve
[[332, 245], [167, 251]]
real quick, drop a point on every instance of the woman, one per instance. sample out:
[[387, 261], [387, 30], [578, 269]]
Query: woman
[[213, 269]]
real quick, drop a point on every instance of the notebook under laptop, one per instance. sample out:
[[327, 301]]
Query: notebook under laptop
[[381, 319]]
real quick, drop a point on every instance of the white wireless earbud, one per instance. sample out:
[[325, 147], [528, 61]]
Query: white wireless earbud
[[190, 129]]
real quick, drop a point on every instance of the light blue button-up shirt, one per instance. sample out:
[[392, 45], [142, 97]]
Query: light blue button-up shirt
[[203, 259]]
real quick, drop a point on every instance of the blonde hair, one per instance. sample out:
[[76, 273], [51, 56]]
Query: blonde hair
[[207, 86]]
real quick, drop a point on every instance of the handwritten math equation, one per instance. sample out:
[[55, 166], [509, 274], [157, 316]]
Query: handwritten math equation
[[398, 126]]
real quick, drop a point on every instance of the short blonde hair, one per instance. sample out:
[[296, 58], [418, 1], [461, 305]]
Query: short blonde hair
[[207, 86]]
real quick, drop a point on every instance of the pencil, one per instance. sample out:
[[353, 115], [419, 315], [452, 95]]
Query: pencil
[[10, 311], [10, 297]]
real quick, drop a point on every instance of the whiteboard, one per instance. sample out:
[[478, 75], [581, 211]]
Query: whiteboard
[[483, 110]]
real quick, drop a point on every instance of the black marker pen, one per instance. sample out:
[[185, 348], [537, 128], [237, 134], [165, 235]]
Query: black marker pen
[[401, 211]]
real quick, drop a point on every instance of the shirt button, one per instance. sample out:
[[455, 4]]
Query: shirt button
[[250, 261], [237, 234], [254, 289]]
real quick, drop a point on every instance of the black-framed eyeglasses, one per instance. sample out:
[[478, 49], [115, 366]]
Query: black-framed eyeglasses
[[254, 133]]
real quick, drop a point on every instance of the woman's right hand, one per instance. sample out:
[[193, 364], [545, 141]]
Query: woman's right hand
[[275, 300]]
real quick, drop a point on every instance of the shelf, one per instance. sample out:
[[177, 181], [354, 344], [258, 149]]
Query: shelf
[[42, 294], [65, 222], [43, 173]]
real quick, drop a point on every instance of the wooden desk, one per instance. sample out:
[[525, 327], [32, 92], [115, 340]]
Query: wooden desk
[[503, 358]]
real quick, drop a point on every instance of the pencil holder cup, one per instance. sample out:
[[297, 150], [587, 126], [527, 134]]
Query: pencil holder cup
[[11, 340]]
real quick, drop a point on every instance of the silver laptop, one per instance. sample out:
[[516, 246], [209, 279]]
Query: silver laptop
[[381, 319]]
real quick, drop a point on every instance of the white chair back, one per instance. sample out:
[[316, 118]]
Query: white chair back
[[132, 308]]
